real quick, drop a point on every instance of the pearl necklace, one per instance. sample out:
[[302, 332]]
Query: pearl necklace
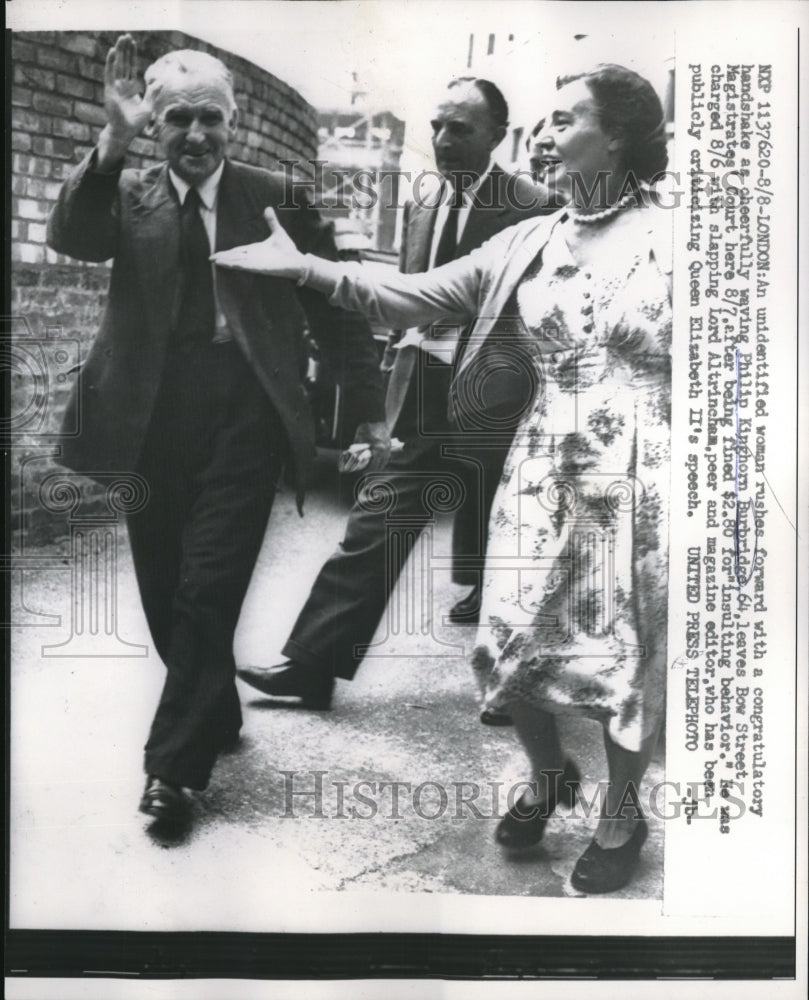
[[628, 201]]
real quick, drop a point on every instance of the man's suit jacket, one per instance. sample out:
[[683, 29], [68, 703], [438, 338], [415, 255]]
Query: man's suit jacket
[[502, 200], [133, 217]]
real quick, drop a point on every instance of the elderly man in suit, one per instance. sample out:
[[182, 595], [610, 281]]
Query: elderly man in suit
[[477, 200], [192, 382]]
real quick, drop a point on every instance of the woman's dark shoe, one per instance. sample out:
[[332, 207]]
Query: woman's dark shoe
[[524, 825], [605, 870]]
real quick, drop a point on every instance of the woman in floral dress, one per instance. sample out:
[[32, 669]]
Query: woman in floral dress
[[574, 607], [573, 618]]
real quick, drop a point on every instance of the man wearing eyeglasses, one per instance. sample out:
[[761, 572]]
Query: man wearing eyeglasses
[[192, 381]]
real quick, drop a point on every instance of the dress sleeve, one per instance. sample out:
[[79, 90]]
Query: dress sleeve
[[451, 292]]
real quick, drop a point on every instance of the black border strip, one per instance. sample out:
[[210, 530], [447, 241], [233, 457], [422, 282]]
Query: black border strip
[[206, 955]]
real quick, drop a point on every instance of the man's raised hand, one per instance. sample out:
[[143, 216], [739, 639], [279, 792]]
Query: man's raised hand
[[127, 112]]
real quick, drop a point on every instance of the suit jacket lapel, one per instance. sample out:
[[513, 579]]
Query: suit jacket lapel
[[484, 220], [486, 215], [239, 219], [239, 216], [156, 242], [419, 238]]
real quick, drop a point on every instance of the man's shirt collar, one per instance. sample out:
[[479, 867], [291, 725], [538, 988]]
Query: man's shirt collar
[[207, 191]]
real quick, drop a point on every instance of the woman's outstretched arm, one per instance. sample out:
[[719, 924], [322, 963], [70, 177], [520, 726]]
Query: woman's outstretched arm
[[447, 293]]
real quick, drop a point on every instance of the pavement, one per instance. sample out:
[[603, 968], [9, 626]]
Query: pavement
[[299, 823]]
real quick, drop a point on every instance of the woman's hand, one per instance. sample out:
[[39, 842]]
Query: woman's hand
[[277, 255]]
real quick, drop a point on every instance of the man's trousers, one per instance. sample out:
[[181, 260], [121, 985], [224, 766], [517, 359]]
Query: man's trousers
[[438, 469], [211, 461]]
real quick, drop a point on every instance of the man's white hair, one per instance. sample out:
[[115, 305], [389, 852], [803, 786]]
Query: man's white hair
[[175, 69]]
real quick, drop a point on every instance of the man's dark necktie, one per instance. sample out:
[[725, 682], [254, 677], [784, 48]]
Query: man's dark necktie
[[448, 241], [197, 316]]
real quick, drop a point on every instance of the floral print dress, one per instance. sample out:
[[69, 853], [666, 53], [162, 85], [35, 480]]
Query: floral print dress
[[574, 606]]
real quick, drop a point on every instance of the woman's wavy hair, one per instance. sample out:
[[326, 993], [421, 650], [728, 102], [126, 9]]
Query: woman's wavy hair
[[628, 107]]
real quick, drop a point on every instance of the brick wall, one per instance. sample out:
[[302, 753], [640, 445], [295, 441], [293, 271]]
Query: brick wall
[[56, 115]]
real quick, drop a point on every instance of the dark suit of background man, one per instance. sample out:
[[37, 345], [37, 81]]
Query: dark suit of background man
[[347, 601], [537, 154], [192, 381]]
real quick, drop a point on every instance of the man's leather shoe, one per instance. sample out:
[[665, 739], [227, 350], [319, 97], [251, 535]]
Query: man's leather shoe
[[467, 610], [291, 680], [490, 717], [164, 802]]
